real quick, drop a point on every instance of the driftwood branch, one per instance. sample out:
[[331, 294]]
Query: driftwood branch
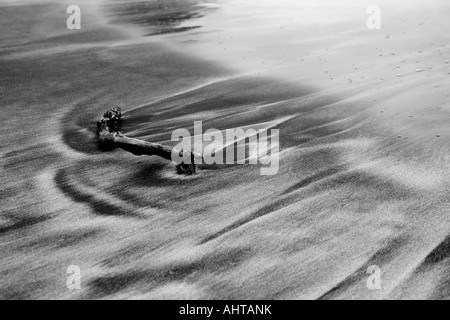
[[110, 138]]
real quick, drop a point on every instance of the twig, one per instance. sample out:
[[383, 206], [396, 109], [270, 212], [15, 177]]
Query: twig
[[110, 138]]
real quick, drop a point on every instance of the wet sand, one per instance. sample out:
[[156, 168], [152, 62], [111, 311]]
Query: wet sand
[[363, 163]]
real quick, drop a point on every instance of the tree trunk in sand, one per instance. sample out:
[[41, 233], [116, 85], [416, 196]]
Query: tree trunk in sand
[[110, 138]]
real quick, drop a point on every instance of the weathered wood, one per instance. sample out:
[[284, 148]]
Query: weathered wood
[[110, 138]]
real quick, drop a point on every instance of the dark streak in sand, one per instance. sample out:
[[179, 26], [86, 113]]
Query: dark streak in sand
[[159, 16]]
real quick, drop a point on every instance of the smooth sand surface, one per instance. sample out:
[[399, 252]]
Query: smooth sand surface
[[363, 174]]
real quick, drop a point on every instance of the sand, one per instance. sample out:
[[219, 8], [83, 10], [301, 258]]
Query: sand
[[363, 161]]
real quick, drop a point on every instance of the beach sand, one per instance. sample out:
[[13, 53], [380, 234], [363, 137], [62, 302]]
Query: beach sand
[[363, 177]]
